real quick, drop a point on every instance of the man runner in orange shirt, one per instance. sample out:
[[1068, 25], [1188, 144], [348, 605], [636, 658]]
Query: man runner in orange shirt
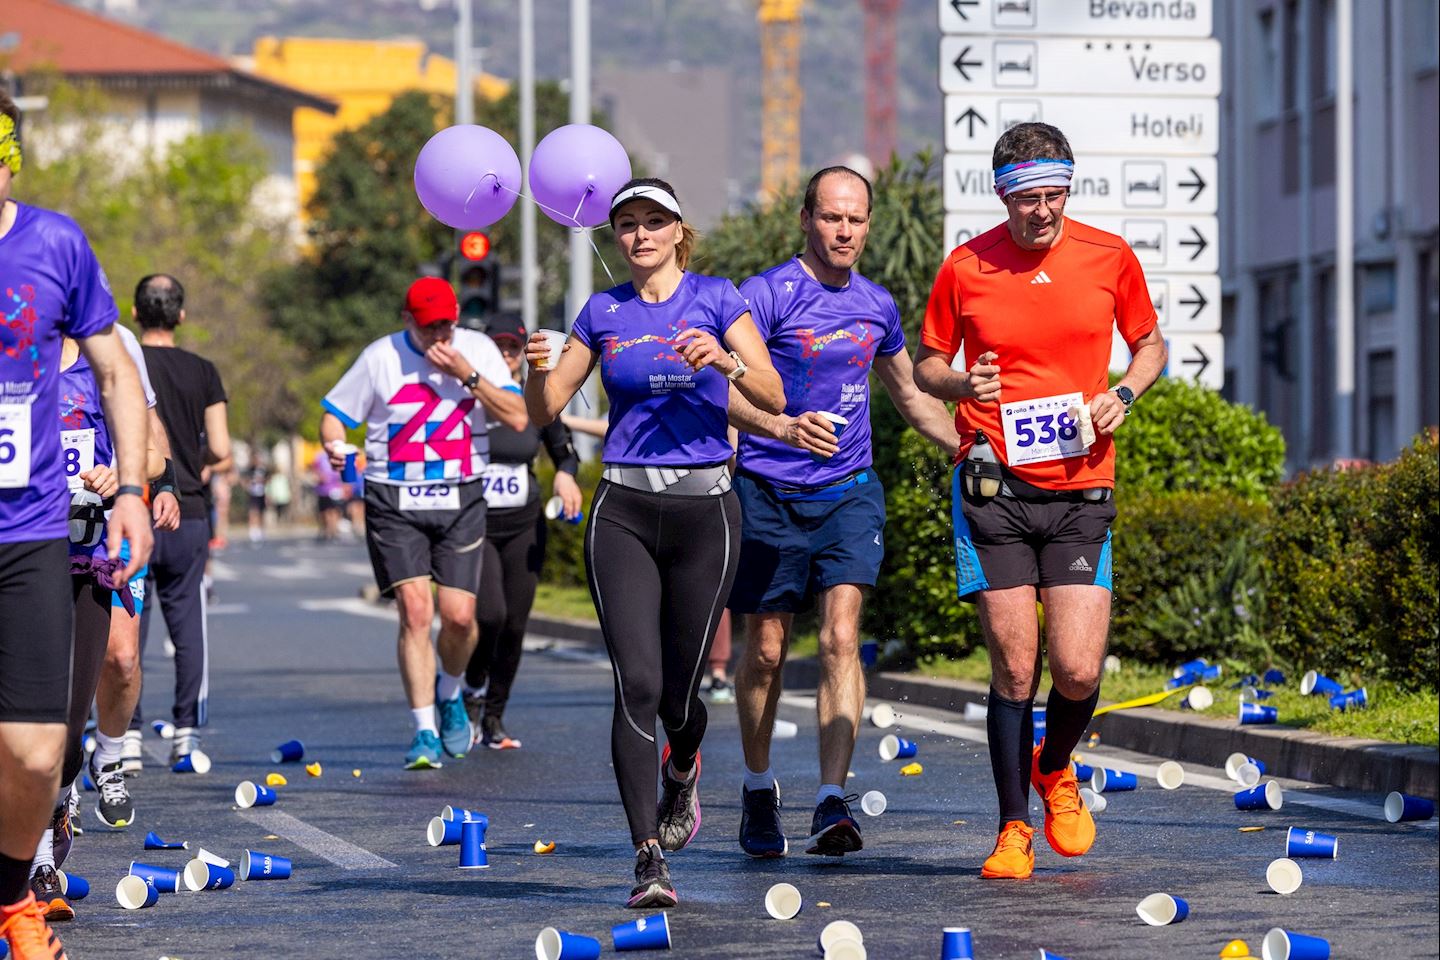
[[1032, 303]]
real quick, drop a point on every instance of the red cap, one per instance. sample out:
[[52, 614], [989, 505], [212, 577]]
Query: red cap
[[432, 300]]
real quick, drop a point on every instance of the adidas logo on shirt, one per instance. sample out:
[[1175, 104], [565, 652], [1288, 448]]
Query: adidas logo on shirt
[[1041, 277], [1081, 565]]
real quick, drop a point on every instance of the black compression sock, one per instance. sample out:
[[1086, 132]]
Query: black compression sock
[[1065, 723], [14, 880], [1009, 725]]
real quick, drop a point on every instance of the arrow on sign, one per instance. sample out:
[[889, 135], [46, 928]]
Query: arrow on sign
[[1198, 183], [1201, 357], [971, 116], [1199, 302], [1199, 243], [960, 5], [961, 63]]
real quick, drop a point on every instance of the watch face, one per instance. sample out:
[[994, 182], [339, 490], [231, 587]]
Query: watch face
[[1126, 395]]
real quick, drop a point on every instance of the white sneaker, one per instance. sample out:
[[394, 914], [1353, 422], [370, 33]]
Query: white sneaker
[[132, 753]]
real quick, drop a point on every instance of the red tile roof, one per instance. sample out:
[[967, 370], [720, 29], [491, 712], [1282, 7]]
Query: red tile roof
[[79, 43]]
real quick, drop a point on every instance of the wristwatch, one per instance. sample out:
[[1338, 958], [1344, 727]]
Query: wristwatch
[[1126, 395], [739, 370], [472, 381]]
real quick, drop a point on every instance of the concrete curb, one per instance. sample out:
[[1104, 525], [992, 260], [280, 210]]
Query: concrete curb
[[1354, 764]]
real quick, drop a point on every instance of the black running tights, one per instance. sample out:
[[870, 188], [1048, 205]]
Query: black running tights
[[660, 570], [514, 553], [92, 636]]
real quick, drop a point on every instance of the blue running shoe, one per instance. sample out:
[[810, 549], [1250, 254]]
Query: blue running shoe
[[761, 835], [833, 831], [455, 730], [424, 752]]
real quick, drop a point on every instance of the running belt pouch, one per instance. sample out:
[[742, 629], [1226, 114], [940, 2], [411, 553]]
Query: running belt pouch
[[87, 518], [977, 470]]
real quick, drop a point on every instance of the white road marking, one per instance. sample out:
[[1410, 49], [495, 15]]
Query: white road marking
[[342, 853], [222, 571], [1296, 791], [220, 609], [351, 605]]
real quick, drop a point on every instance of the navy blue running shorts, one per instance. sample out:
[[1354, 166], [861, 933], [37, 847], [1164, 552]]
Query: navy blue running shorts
[[1003, 542], [791, 549]]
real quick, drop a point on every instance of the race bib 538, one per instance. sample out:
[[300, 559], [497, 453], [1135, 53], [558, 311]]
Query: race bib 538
[[1042, 429]]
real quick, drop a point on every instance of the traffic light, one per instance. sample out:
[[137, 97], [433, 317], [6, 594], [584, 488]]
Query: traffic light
[[474, 246]]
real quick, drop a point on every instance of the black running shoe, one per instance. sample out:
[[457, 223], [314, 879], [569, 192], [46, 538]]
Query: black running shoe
[[62, 831], [833, 831], [679, 808], [115, 808], [474, 707], [493, 735], [46, 887], [761, 835], [652, 880]]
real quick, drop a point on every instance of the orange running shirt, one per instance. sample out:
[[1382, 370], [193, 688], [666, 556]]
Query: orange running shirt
[[1048, 314]]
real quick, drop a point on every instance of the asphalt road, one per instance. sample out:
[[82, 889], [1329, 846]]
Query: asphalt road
[[296, 654]]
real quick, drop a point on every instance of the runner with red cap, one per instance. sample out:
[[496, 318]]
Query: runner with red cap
[[424, 395]]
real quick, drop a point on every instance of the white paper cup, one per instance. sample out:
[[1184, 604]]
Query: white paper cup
[[882, 715], [1284, 876], [873, 803], [1233, 763], [133, 893], [1112, 663], [1199, 698], [1094, 802], [1170, 775], [846, 950], [556, 341], [784, 730], [208, 857], [976, 711], [837, 930], [783, 901]]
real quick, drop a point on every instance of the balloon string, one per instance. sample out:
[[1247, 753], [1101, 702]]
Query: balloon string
[[488, 176], [576, 215], [573, 218]]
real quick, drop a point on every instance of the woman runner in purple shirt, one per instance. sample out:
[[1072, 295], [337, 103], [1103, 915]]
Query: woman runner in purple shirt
[[664, 534]]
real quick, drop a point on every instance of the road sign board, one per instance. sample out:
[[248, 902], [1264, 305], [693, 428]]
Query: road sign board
[[1135, 67], [1193, 356], [1103, 184], [1120, 125], [1162, 243], [1186, 303], [1106, 18]]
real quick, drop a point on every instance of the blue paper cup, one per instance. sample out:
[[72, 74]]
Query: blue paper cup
[[163, 728], [1273, 676], [135, 893], [837, 931], [1162, 909], [1356, 699], [200, 875], [1401, 806], [1308, 843], [153, 842], [1285, 945], [348, 473], [255, 865], [1284, 876], [869, 653], [552, 944], [455, 813], [1244, 770], [1190, 666], [291, 751], [76, 888], [1184, 680], [251, 794], [472, 846], [956, 944], [555, 510], [1255, 693], [893, 747], [161, 878], [196, 761], [1083, 771], [646, 933], [783, 901], [1252, 713], [1212, 672], [1319, 685], [1113, 781], [442, 832], [1266, 796], [839, 423]]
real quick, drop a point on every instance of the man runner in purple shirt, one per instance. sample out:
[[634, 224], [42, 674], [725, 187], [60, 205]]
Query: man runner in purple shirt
[[813, 510]]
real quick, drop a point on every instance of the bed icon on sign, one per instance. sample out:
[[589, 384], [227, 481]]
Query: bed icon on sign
[[1144, 182], [1147, 239], [1015, 63]]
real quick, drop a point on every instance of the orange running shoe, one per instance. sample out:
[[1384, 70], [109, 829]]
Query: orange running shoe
[[23, 926], [1069, 828], [1014, 854]]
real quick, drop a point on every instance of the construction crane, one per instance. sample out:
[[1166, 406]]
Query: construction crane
[[880, 79], [780, 94]]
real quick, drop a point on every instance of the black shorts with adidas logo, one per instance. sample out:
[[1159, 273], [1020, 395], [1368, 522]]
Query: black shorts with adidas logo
[[1005, 542]]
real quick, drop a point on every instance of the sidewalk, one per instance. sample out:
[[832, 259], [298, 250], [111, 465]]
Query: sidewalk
[[1348, 762]]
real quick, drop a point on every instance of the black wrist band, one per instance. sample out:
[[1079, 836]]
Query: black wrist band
[[131, 490]]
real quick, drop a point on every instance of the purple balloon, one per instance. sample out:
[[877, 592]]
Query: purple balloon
[[467, 176], [574, 173]]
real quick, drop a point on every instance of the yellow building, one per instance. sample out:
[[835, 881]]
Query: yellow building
[[362, 76]]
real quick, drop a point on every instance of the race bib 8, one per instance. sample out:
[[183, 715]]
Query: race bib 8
[[434, 496], [78, 447], [505, 484], [1042, 429], [14, 445]]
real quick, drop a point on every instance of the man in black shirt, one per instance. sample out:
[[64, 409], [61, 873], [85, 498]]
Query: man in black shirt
[[191, 402]]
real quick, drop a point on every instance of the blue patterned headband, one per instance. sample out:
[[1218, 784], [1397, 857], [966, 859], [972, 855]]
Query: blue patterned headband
[[1033, 173]]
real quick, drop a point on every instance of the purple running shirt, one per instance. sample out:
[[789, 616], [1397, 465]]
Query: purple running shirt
[[823, 341]]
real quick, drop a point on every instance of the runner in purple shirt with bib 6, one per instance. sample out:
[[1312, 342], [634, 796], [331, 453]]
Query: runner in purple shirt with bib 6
[[663, 538]]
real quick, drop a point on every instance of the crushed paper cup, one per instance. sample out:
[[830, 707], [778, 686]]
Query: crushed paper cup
[[153, 842]]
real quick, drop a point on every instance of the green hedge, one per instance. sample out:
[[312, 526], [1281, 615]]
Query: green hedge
[[1354, 560]]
